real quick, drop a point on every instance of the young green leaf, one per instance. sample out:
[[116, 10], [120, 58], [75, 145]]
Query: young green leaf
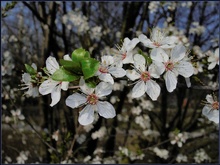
[[64, 75], [80, 54], [72, 66], [30, 69], [89, 67]]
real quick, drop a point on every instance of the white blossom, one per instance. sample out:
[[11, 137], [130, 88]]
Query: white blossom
[[181, 158], [201, 156], [162, 153], [211, 109], [91, 97], [214, 59]]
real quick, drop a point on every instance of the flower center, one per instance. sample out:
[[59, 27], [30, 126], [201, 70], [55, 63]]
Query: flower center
[[145, 76], [124, 56], [157, 44], [215, 105], [103, 69], [92, 99], [169, 66]]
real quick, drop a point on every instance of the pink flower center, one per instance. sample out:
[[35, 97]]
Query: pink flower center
[[215, 105], [157, 44], [169, 66], [103, 69], [145, 76], [92, 99], [124, 56]]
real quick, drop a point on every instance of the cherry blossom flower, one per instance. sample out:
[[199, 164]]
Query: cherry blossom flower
[[52, 86], [214, 59], [145, 82], [29, 84], [173, 66], [106, 69], [124, 54], [211, 109], [158, 39], [91, 98], [179, 139]]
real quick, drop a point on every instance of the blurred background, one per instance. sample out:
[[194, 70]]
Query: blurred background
[[169, 130]]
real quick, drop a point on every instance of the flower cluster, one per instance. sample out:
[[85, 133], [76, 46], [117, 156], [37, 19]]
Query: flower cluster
[[94, 80]]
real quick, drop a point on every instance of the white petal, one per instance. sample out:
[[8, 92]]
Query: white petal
[[169, 42], [209, 98], [103, 89], [138, 90], [67, 57], [159, 55], [105, 109], [117, 72], [130, 44], [212, 65], [64, 85], [52, 65], [188, 83], [34, 66], [106, 77], [154, 71], [184, 68], [86, 116], [107, 60], [75, 100], [26, 78], [178, 53], [212, 115], [157, 67], [146, 41], [85, 89], [152, 89], [128, 59], [170, 80], [47, 86], [132, 74], [139, 62], [55, 95]]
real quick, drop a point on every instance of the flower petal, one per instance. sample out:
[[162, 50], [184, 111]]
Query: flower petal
[[139, 62], [47, 86], [130, 44], [138, 90], [106, 77], [146, 41], [55, 95], [51, 64], [85, 89], [107, 60], [159, 55], [178, 53], [86, 116], [26, 78], [184, 68], [103, 89], [105, 109], [157, 68], [75, 100], [209, 98], [132, 74], [128, 59], [212, 115], [154, 71], [170, 80], [117, 72], [67, 57], [212, 65], [152, 89], [64, 85]]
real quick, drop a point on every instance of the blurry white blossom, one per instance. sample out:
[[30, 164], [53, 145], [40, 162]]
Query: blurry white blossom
[[7, 64], [23, 156], [201, 156], [55, 135], [96, 32], [198, 29], [99, 134], [162, 153], [153, 6], [143, 121], [179, 139], [181, 158], [214, 59], [81, 138], [17, 115]]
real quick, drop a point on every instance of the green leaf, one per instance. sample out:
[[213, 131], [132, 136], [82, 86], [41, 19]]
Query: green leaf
[[89, 67], [72, 66], [64, 75], [147, 58], [91, 82], [80, 54], [30, 69]]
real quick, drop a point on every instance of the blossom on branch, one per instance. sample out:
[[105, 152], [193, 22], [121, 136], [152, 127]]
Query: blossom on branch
[[214, 59], [52, 86], [90, 97]]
